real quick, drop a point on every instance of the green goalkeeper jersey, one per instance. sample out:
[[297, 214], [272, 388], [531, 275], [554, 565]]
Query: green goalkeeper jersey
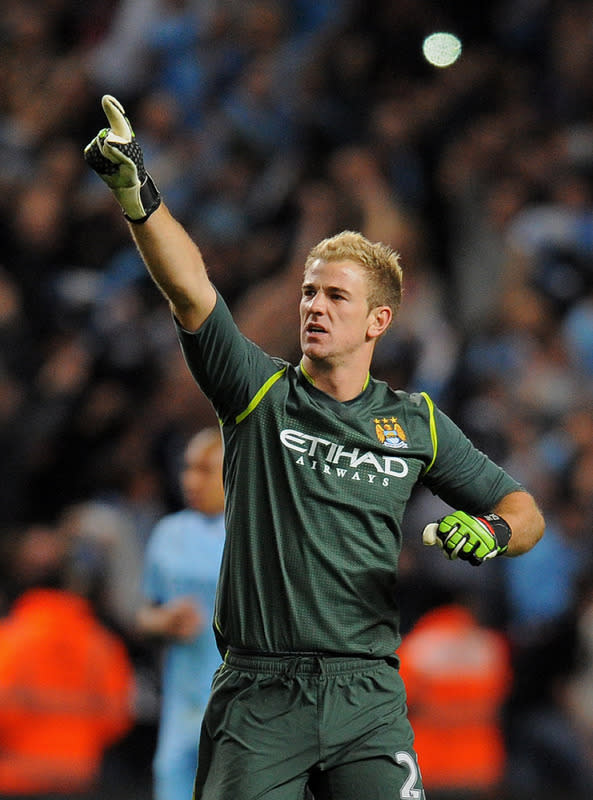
[[316, 491]]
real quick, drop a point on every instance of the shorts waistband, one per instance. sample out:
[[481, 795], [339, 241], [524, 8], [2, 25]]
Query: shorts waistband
[[295, 663]]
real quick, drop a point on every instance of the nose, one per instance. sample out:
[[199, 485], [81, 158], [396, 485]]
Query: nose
[[317, 303]]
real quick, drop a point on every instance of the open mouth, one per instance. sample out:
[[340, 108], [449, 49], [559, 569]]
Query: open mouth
[[314, 328]]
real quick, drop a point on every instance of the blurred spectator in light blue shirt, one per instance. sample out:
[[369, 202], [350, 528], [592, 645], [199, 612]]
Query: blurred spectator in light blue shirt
[[180, 574]]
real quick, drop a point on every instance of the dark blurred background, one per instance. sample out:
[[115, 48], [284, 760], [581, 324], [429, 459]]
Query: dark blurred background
[[268, 125]]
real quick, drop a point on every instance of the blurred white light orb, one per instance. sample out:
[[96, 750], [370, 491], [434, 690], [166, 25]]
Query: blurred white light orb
[[441, 49]]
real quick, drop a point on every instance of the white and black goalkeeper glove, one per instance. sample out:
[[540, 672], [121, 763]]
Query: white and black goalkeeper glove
[[117, 158], [473, 539]]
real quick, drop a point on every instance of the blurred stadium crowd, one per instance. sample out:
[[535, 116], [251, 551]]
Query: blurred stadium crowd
[[267, 125]]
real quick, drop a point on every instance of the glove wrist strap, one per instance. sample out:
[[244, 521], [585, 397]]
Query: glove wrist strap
[[502, 530], [150, 200]]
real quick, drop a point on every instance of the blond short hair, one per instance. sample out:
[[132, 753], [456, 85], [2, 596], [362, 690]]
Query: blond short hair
[[379, 262]]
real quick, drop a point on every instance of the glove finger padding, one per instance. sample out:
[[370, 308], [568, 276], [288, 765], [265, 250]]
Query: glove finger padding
[[470, 538], [117, 158], [119, 124]]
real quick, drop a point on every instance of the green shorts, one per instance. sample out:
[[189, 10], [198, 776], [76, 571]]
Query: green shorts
[[274, 724]]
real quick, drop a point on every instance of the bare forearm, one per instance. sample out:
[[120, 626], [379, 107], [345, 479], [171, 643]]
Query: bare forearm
[[152, 621], [527, 523], [180, 619], [176, 266]]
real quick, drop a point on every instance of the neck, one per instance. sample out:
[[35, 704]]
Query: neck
[[342, 384]]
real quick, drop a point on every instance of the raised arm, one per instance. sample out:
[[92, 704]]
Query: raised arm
[[176, 266], [173, 260]]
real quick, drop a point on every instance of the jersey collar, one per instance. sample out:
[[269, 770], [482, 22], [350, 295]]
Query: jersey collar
[[312, 380]]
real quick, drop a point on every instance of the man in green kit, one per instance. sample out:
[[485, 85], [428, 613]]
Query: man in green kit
[[320, 461]]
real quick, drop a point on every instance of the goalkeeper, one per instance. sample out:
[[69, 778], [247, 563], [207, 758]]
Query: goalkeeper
[[320, 461]]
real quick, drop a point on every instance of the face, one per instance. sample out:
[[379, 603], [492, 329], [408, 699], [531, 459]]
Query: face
[[201, 477], [334, 313]]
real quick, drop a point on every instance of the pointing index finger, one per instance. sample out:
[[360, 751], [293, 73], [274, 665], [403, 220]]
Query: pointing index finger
[[121, 130]]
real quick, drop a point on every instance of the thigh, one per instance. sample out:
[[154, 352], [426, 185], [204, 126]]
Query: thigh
[[370, 742], [396, 778], [256, 741]]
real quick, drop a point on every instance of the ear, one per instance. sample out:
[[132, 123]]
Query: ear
[[379, 320]]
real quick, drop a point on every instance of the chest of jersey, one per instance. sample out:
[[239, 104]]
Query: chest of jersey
[[360, 456]]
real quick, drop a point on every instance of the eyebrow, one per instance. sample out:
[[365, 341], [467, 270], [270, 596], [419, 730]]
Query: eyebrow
[[328, 289]]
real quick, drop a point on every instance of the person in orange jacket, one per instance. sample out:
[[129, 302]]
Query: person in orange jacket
[[65, 680], [458, 674]]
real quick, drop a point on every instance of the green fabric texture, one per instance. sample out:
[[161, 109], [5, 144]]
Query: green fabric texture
[[316, 493]]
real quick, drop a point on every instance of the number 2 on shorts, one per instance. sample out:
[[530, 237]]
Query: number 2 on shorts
[[409, 790]]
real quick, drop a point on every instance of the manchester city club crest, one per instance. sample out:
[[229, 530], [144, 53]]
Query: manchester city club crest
[[390, 433]]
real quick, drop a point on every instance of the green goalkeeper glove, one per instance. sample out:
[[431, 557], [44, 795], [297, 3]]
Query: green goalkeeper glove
[[473, 539], [117, 158]]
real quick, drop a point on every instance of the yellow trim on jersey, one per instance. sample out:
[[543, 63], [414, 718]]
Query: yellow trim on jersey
[[433, 430], [261, 393], [306, 374]]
